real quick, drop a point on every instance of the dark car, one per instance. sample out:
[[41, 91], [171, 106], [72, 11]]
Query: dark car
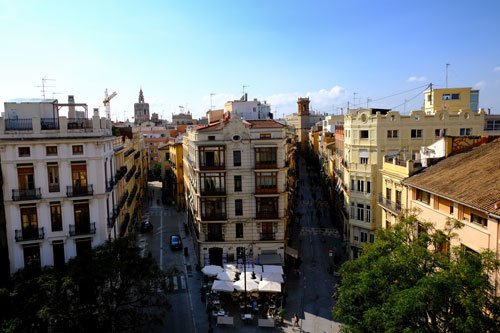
[[146, 226], [175, 242]]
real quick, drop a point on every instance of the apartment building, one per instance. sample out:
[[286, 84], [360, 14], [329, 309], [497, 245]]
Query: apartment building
[[176, 174], [56, 164], [249, 110], [235, 175], [465, 187]]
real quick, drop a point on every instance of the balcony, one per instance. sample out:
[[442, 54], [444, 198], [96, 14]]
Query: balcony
[[49, 124], [29, 194], [137, 155], [394, 207], [54, 188], [266, 165], [265, 236], [267, 215], [82, 229], [214, 216], [79, 191], [217, 191], [79, 123], [29, 234], [212, 166], [123, 200], [109, 185], [130, 173], [120, 173], [138, 173], [214, 238], [18, 124], [266, 190]]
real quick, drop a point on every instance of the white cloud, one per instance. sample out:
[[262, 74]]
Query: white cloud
[[480, 84], [417, 79], [496, 69], [322, 100]]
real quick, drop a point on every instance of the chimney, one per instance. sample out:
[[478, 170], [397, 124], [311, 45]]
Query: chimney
[[96, 112], [71, 108]]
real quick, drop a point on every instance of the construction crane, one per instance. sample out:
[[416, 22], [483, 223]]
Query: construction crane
[[106, 100]]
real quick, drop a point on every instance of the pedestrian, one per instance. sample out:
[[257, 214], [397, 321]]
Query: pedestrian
[[295, 320]]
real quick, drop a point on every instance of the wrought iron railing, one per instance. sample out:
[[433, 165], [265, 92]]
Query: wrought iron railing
[[79, 191], [29, 234], [26, 194], [82, 229]]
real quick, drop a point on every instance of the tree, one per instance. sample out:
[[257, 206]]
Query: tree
[[113, 289], [409, 280]]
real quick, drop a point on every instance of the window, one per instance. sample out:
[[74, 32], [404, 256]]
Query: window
[[363, 160], [363, 156], [360, 212], [361, 186], [83, 247], [238, 207], [79, 175], [237, 158], [398, 198], [212, 183], [78, 150], [267, 231], [352, 185], [416, 133], [265, 135], [239, 230], [372, 238], [364, 237], [363, 134], [423, 196], [451, 209], [388, 193], [368, 213], [53, 176], [24, 151], [466, 131], [492, 125], [55, 216], [368, 186], [58, 252], [26, 177], [212, 157], [51, 150], [439, 133], [211, 138], [455, 96], [266, 182], [266, 158], [353, 210], [267, 207], [31, 256], [392, 134], [479, 220], [237, 183]]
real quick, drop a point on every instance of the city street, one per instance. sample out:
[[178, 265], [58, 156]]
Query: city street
[[309, 289]]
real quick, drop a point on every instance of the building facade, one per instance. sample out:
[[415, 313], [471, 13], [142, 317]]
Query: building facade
[[249, 110], [56, 170], [235, 175]]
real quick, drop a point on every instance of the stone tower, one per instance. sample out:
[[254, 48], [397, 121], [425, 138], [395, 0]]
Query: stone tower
[[141, 110], [303, 120]]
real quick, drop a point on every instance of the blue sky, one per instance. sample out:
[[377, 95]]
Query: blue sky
[[181, 51]]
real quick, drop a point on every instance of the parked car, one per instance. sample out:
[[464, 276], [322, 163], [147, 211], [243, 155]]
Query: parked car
[[146, 226], [175, 242]]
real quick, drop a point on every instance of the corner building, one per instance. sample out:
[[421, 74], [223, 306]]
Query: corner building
[[235, 175], [56, 175]]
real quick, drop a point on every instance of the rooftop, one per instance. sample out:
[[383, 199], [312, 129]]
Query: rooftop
[[31, 100], [471, 178]]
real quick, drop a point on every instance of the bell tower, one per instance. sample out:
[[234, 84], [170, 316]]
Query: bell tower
[[303, 120]]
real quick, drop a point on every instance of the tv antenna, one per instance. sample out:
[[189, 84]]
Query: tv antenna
[[44, 85], [244, 86], [211, 105], [447, 65]]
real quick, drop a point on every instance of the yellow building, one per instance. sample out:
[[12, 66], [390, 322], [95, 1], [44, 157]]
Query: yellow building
[[451, 99], [369, 134], [465, 187], [177, 172]]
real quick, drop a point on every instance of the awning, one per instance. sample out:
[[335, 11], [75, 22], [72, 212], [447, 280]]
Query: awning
[[270, 259]]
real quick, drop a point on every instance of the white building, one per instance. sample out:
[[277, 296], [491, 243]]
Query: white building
[[249, 110], [57, 180], [235, 175]]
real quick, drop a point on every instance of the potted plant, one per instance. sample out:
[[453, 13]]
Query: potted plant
[[281, 315]]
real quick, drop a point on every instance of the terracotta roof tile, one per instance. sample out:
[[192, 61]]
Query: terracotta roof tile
[[268, 123], [471, 177]]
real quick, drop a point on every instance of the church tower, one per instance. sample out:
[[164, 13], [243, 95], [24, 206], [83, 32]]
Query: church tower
[[141, 110], [303, 123]]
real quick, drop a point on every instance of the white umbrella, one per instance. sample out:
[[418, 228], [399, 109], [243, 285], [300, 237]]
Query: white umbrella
[[250, 268], [273, 269], [226, 275], [211, 270], [231, 267], [226, 286], [252, 285], [276, 277], [270, 286]]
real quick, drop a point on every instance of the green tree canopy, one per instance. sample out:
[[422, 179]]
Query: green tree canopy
[[113, 289], [409, 280]]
